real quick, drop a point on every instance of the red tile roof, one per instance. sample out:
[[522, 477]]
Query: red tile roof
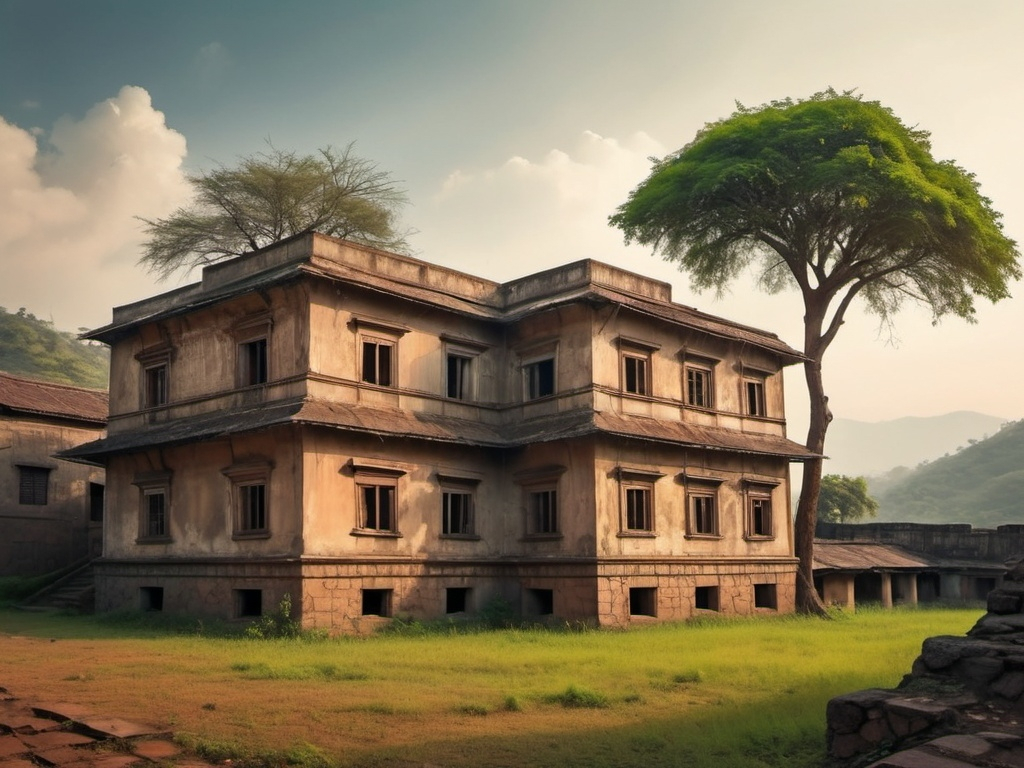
[[43, 398]]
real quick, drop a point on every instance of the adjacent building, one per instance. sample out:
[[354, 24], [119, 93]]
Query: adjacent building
[[51, 510], [376, 436]]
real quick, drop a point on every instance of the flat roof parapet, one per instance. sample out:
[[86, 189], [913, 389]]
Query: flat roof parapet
[[579, 275]]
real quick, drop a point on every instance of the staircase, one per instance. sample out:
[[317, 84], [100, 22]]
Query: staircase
[[75, 591]]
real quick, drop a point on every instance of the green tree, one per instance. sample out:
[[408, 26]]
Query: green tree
[[836, 197], [844, 499], [271, 196]]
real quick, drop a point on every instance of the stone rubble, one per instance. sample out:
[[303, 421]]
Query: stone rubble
[[961, 705]]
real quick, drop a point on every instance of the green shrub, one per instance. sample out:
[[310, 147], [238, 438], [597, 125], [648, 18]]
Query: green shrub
[[579, 698], [277, 624]]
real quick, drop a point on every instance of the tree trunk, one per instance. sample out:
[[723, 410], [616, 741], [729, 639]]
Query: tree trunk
[[807, 600]]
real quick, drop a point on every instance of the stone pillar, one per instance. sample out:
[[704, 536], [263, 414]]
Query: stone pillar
[[907, 588], [951, 586], [837, 589], [886, 590]]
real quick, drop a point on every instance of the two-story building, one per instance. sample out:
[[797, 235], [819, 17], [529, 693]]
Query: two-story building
[[377, 436]]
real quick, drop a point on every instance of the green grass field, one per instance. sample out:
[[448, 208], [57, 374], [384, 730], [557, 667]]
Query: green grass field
[[748, 692]]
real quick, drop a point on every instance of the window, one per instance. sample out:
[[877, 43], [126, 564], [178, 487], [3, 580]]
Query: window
[[643, 601], [456, 600], [252, 500], [250, 497], [96, 494], [253, 361], [457, 513], [699, 391], [636, 500], [540, 378], [378, 358], [760, 516], [156, 386], [376, 498], [377, 507], [543, 512], [151, 598], [705, 598], [635, 374], [458, 374], [703, 514], [33, 483], [638, 509], [754, 397], [539, 602], [154, 514], [154, 507], [248, 603], [377, 602], [765, 596]]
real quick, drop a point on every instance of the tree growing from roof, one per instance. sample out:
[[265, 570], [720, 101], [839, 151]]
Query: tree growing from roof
[[273, 195], [844, 499], [833, 196]]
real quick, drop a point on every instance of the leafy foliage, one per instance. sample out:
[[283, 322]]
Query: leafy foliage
[[845, 499], [34, 348], [982, 484], [279, 623], [271, 196]]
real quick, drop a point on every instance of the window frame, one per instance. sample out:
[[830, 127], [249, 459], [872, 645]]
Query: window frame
[[457, 485], [705, 398], [378, 479], [243, 478], [378, 344], [155, 363], [759, 508], [637, 484], [34, 485], [700, 486], [640, 355], [153, 485], [542, 517], [253, 337], [754, 402], [534, 380]]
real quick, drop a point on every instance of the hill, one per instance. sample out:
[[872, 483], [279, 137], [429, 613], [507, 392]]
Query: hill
[[34, 348], [872, 448], [983, 485]]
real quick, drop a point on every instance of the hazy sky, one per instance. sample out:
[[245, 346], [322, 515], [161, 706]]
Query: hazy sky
[[516, 127]]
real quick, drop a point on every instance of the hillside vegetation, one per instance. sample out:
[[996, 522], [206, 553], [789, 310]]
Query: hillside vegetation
[[983, 485], [33, 348]]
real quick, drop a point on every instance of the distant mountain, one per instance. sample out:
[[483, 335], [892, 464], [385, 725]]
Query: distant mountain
[[983, 485], [34, 348], [861, 448]]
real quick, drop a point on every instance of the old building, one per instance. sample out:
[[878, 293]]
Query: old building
[[51, 510], [379, 436]]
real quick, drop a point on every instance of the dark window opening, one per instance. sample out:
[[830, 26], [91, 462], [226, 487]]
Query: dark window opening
[[151, 598], [755, 398], [638, 509], [33, 483], [156, 386], [377, 363], [459, 377], [764, 596], [643, 601], [457, 513], [156, 514], [248, 603], [544, 511], [456, 600], [253, 500], [540, 379], [96, 495], [698, 387], [540, 602], [760, 516], [376, 602], [254, 362], [635, 379], [705, 518], [706, 598], [378, 507]]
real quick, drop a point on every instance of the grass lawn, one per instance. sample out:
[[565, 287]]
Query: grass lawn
[[749, 692]]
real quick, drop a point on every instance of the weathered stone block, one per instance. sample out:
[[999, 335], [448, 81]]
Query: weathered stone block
[[1010, 686], [941, 652], [978, 670], [876, 731], [847, 745], [1001, 601]]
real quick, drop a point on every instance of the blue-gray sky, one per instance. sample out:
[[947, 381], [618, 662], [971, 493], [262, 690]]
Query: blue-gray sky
[[515, 127]]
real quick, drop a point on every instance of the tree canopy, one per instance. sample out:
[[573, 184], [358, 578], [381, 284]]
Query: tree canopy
[[835, 196], [273, 195], [844, 499]]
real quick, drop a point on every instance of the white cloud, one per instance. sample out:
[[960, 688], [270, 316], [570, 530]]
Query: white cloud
[[69, 237]]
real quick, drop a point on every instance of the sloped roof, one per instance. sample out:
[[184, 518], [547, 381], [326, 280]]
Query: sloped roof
[[437, 427], [43, 398], [871, 556]]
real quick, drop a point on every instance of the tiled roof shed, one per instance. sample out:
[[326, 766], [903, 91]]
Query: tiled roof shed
[[30, 397]]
